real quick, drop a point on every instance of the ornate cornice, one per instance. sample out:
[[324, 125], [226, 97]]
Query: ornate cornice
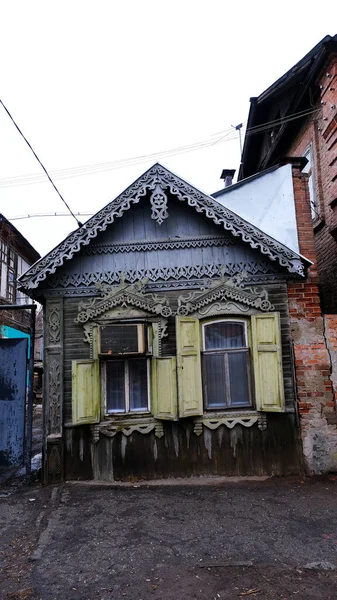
[[185, 273], [159, 178], [123, 295], [204, 241], [225, 289]]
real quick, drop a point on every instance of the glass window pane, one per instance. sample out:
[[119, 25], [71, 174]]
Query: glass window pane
[[138, 385], [115, 386], [214, 381], [224, 334], [238, 363], [119, 339]]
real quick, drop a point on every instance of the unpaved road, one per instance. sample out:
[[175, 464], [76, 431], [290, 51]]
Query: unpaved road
[[178, 542]]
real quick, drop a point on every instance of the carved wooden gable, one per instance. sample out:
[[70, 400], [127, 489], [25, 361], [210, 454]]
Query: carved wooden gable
[[165, 230]]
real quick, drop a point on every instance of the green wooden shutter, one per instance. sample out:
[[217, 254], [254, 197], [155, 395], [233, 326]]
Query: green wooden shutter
[[189, 367], [267, 360], [164, 388], [86, 397]]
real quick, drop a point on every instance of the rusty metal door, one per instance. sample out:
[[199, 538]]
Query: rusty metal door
[[13, 382]]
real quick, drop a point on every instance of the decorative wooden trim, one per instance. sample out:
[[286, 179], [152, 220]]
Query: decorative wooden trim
[[161, 179], [162, 286], [123, 295], [53, 391], [225, 289], [158, 201], [161, 274], [128, 426], [230, 420], [205, 241]]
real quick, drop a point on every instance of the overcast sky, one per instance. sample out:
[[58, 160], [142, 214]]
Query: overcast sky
[[92, 82]]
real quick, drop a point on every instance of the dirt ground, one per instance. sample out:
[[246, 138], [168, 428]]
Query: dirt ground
[[207, 539]]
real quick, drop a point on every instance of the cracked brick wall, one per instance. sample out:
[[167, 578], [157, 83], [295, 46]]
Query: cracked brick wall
[[312, 353], [330, 326]]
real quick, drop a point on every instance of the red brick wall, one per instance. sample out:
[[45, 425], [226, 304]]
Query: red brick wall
[[320, 131], [312, 359]]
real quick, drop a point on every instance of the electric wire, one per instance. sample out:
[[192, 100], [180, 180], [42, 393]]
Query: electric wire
[[102, 167], [121, 163], [40, 163], [52, 214]]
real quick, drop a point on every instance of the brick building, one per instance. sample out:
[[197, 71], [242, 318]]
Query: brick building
[[297, 116]]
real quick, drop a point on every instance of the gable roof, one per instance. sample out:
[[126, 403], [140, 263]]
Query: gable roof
[[160, 178], [294, 86]]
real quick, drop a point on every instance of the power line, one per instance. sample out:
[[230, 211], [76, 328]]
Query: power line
[[272, 124], [106, 166], [53, 214], [280, 120], [127, 162], [40, 163]]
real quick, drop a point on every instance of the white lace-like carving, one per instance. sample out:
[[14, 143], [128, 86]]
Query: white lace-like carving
[[158, 201], [158, 175]]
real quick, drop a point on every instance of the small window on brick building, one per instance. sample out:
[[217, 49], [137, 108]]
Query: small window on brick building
[[311, 183]]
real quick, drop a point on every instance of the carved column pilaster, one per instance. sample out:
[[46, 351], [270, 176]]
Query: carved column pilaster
[[53, 391]]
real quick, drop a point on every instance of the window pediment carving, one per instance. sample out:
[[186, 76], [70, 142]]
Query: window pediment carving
[[124, 295], [225, 295]]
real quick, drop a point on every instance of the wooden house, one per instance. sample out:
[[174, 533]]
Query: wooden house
[[169, 337], [16, 256]]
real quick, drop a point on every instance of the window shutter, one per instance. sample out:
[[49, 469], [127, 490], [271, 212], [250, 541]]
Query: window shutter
[[86, 397], [267, 360], [164, 388], [189, 367]]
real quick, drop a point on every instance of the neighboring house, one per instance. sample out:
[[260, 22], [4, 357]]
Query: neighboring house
[[169, 329], [17, 255], [297, 116]]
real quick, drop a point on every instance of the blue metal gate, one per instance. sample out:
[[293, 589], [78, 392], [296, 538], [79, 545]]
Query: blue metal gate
[[13, 381]]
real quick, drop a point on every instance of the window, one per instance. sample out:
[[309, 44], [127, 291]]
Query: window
[[8, 272], [124, 351], [22, 267], [127, 385], [311, 183], [212, 370], [226, 365]]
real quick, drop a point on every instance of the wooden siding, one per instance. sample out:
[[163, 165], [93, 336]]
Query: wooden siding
[[239, 451]]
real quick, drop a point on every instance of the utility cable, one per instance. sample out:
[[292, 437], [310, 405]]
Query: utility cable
[[40, 163], [121, 163], [108, 166]]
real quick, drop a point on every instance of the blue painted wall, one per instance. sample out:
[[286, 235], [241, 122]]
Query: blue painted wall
[[11, 333]]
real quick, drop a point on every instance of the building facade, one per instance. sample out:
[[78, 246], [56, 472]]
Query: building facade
[[16, 256], [297, 116], [169, 336]]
